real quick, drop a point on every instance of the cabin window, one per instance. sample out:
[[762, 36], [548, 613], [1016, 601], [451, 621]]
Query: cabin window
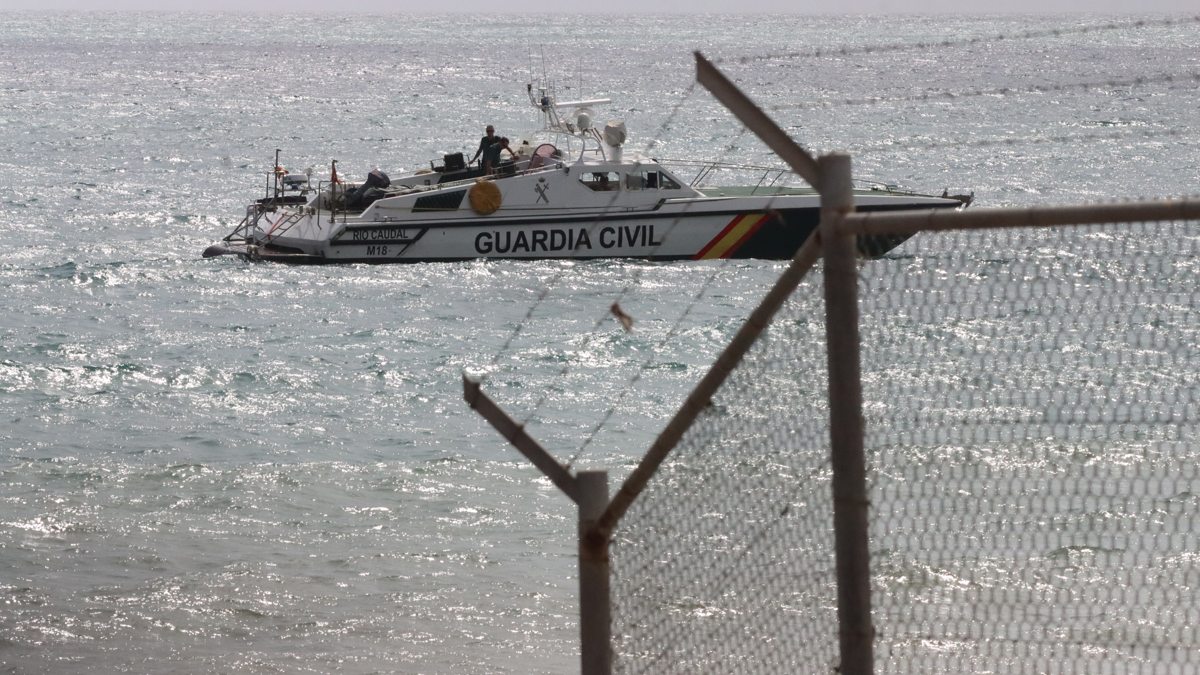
[[650, 180], [601, 181]]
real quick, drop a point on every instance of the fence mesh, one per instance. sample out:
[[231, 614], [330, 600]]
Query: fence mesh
[[1032, 400]]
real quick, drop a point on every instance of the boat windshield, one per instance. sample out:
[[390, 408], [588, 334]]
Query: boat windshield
[[601, 181], [650, 179]]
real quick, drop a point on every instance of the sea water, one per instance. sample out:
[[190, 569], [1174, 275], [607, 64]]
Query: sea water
[[215, 466]]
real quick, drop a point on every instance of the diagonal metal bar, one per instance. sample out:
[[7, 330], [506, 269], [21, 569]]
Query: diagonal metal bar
[[515, 433], [757, 121]]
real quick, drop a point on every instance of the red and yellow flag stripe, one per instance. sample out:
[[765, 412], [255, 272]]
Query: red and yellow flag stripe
[[733, 236]]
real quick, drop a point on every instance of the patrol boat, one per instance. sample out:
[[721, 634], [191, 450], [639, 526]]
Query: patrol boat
[[570, 192]]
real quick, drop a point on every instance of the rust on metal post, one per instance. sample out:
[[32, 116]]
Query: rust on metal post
[[846, 427], [595, 605], [515, 433]]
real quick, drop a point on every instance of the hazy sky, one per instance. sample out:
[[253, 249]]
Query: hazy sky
[[615, 8]]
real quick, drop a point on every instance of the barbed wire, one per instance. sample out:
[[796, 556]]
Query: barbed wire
[[1023, 140], [962, 42], [671, 332], [609, 310], [554, 279], [939, 95], [607, 314], [637, 376]]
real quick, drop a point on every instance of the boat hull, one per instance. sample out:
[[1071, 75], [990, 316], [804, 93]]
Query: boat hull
[[566, 192], [672, 234]]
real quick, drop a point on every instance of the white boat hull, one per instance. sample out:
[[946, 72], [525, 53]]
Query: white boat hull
[[607, 204], [693, 229]]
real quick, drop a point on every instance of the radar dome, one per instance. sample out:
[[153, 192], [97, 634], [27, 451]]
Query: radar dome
[[614, 134]]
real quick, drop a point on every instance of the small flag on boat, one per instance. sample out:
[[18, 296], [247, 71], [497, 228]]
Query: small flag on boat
[[625, 319], [333, 172]]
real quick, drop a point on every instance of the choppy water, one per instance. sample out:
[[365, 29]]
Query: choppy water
[[213, 466]]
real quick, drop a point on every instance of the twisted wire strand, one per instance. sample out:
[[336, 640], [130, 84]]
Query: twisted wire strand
[[946, 95], [1148, 134], [557, 277], [962, 42], [635, 279], [901, 47], [606, 315]]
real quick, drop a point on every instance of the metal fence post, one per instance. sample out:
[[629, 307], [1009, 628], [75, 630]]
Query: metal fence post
[[595, 609], [855, 631]]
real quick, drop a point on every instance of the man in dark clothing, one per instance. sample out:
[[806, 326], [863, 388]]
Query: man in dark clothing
[[485, 142], [491, 156]]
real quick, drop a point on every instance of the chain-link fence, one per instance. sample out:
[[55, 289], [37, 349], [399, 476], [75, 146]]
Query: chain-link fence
[[1032, 399], [1020, 500]]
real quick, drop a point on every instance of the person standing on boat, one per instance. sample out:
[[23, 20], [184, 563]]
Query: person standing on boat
[[485, 142], [491, 156]]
